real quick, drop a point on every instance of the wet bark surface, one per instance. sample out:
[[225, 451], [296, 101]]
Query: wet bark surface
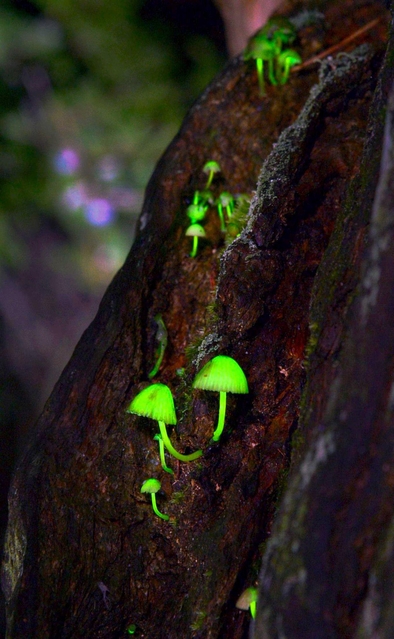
[[85, 555]]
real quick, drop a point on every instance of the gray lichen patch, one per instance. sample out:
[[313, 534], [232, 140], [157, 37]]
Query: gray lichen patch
[[14, 554]]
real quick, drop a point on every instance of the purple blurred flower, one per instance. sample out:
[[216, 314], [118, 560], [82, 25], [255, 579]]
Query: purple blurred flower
[[99, 212], [66, 161]]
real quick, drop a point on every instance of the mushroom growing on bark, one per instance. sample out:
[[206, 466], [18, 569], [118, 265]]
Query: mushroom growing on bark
[[224, 375], [195, 231], [156, 402], [248, 600], [152, 486]]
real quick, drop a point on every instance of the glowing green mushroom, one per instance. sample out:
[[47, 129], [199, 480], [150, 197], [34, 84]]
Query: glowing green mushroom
[[225, 200], [131, 629], [161, 339], [211, 167], [156, 402], [280, 31], [158, 438], [287, 59], [248, 600], [196, 212], [261, 49], [224, 375], [195, 231], [152, 486]]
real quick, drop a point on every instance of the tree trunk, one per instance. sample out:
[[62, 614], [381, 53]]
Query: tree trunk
[[85, 555]]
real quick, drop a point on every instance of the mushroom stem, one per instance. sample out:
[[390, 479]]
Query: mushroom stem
[[162, 454], [221, 216], [260, 74], [156, 510], [171, 449], [195, 245], [209, 181], [271, 73], [222, 413], [252, 608]]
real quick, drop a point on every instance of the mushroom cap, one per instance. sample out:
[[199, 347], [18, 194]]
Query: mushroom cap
[[195, 230], [156, 402], [211, 165], [196, 212], [225, 198], [279, 27], [248, 596], [151, 485], [222, 373], [290, 56], [259, 47]]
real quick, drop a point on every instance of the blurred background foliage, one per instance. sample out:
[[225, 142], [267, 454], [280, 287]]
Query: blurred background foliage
[[91, 93]]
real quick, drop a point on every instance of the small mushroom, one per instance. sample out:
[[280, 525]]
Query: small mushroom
[[261, 49], [225, 200], [287, 59], [152, 486], [222, 374], [161, 339], [156, 402], [195, 231], [248, 601], [211, 167]]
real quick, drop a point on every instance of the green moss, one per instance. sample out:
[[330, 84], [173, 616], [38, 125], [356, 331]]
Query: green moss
[[178, 496], [199, 620]]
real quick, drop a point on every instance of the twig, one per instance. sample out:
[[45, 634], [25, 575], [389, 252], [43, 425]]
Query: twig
[[339, 46]]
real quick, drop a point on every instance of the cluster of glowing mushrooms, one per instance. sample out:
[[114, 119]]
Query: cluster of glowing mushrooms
[[222, 373], [225, 204], [269, 46]]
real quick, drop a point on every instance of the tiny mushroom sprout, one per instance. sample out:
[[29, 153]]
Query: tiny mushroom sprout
[[156, 402], [287, 59], [262, 50], [152, 486], [161, 339], [222, 374], [248, 601], [225, 200], [211, 167], [195, 231]]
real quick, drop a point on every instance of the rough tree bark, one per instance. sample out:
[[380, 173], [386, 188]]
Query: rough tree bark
[[85, 556]]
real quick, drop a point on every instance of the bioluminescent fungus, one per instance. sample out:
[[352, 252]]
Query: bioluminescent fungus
[[152, 486], [161, 339], [225, 200], [280, 31], [211, 167], [261, 50], [156, 402], [286, 60], [224, 375], [248, 601], [196, 212], [158, 438], [195, 231]]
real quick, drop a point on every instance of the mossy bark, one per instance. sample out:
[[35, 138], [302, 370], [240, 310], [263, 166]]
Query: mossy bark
[[85, 555]]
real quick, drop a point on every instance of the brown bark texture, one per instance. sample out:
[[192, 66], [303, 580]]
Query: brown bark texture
[[303, 300]]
